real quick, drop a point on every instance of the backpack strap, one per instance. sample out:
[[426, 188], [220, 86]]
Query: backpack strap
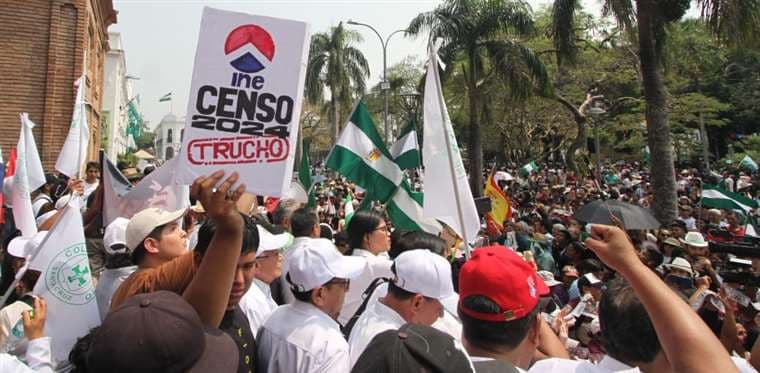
[[365, 296]]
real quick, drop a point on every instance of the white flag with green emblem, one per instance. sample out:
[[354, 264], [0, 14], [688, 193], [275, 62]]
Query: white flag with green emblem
[[714, 196], [361, 157], [748, 163], [406, 150], [74, 151], [66, 282]]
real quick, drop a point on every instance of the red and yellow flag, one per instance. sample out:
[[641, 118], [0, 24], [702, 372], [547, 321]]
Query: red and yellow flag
[[501, 209]]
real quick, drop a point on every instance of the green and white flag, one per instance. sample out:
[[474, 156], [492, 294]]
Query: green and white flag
[[304, 174], [166, 97], [361, 157], [406, 150], [527, 169], [716, 197], [748, 163], [406, 212]]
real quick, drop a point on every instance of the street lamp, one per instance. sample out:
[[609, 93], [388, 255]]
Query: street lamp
[[410, 100], [385, 86], [596, 111]]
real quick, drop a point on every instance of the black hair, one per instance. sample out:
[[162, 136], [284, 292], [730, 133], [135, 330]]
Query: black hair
[[207, 231], [91, 165], [139, 253], [399, 293], [493, 335], [80, 350], [590, 266], [362, 223], [325, 231], [284, 210], [416, 240], [628, 334], [303, 221], [118, 260], [303, 296]]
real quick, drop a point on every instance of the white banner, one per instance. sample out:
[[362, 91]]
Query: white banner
[[245, 100], [66, 282], [28, 177]]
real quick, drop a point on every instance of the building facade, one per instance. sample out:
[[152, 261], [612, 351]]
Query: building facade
[[47, 45], [117, 95], [169, 134]]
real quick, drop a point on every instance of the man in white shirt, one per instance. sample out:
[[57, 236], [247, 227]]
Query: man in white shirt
[[257, 303], [421, 281], [304, 336]]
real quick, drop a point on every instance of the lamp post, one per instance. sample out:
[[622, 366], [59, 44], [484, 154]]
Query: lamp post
[[596, 111], [310, 120], [385, 86]]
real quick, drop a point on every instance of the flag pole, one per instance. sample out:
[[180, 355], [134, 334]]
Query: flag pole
[[439, 93], [29, 260], [81, 112]]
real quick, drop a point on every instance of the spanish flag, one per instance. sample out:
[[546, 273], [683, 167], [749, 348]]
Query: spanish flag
[[501, 209]]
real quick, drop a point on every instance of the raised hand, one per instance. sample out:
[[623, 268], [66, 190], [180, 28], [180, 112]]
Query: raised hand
[[34, 321], [613, 247], [220, 202]]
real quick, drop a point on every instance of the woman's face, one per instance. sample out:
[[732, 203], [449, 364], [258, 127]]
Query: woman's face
[[379, 240]]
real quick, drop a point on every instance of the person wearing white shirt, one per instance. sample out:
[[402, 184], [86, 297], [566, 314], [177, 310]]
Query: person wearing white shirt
[[304, 336], [422, 280], [91, 181], [369, 237], [257, 303], [38, 353]]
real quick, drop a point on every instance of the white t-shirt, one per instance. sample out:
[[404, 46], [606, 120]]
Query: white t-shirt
[[606, 365], [38, 356]]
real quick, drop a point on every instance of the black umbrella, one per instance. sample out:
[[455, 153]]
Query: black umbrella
[[632, 216]]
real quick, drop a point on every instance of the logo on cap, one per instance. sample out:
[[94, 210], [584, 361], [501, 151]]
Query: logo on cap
[[532, 286], [68, 277], [257, 37]]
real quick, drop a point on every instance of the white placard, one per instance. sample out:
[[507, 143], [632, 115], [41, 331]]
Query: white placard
[[245, 100]]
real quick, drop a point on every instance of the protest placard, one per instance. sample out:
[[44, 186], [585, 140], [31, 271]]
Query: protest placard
[[245, 100]]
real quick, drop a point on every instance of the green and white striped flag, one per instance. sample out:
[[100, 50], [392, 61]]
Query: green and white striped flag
[[748, 163], [166, 97], [405, 211], [716, 197], [406, 150], [361, 157], [527, 169]]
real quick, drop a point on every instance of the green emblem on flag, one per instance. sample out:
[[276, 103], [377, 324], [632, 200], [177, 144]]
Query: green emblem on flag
[[68, 276]]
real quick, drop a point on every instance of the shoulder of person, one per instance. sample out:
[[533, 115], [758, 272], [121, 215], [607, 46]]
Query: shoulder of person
[[556, 365]]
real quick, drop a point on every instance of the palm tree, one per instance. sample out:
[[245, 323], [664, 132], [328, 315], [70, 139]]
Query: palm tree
[[735, 21], [483, 39], [334, 63]]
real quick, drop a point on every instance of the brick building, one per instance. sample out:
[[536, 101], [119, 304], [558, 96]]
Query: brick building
[[46, 45]]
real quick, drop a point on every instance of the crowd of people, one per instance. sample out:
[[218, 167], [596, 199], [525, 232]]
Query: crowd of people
[[238, 284]]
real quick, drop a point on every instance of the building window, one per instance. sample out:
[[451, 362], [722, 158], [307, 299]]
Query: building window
[[169, 153], [182, 135], [169, 136]]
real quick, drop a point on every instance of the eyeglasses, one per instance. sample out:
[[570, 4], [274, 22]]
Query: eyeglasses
[[384, 228]]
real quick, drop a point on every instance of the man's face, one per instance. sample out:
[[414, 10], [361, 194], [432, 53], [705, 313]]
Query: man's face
[[269, 266], [244, 274], [332, 295], [92, 175], [173, 241], [697, 252]]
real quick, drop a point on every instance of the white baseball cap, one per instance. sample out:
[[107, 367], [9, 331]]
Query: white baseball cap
[[22, 247], [116, 234], [272, 242], [423, 272], [317, 261], [146, 221]]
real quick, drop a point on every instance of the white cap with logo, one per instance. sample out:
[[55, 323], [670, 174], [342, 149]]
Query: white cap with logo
[[146, 221], [317, 261], [272, 242], [423, 272]]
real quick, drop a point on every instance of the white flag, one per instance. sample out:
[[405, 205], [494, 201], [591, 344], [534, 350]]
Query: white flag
[[66, 282], [28, 177], [448, 197], [158, 189], [74, 151]]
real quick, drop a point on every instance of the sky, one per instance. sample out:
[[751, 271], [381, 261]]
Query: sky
[[159, 37]]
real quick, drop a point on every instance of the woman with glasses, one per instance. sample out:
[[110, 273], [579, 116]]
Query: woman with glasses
[[369, 238]]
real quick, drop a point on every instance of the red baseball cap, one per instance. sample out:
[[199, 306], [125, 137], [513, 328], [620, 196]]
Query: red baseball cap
[[505, 278]]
